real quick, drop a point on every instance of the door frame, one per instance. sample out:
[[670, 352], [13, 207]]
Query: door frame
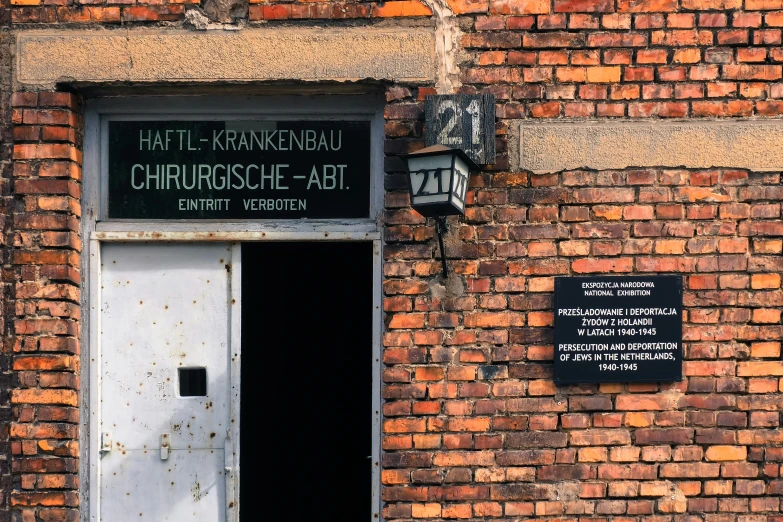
[[97, 230]]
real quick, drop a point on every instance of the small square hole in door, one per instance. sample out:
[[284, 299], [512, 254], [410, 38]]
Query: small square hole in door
[[192, 382]]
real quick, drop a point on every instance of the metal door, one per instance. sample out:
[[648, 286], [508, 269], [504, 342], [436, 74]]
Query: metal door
[[165, 318]]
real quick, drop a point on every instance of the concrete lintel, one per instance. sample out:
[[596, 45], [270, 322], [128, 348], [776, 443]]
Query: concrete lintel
[[144, 55], [603, 145]]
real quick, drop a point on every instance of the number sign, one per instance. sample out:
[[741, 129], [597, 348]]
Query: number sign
[[462, 121]]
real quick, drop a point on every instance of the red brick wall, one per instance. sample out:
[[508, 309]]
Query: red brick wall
[[96, 11], [307, 9], [45, 265], [667, 58], [118, 12], [6, 376], [474, 427]]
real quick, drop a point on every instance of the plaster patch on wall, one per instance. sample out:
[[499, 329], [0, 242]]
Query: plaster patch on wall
[[601, 145], [394, 54], [447, 37], [225, 11]]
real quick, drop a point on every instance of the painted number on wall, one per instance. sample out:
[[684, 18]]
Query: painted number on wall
[[463, 121]]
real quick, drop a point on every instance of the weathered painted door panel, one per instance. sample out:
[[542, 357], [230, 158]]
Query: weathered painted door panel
[[165, 308], [188, 486]]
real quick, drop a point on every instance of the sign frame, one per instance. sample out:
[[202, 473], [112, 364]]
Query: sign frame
[[462, 121], [559, 333], [260, 108], [151, 161]]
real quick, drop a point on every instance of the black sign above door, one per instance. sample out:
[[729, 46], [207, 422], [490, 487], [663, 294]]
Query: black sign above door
[[257, 169]]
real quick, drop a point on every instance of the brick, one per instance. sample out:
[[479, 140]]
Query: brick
[[592, 490], [646, 6], [46, 151], [627, 471], [664, 435], [431, 510], [553, 40], [583, 6], [44, 362], [24, 99], [34, 396], [592, 455], [599, 437], [468, 6], [752, 72], [603, 74], [516, 7], [624, 454], [724, 453], [765, 281], [690, 470], [637, 402], [401, 8]]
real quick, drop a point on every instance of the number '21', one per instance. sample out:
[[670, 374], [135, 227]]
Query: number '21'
[[445, 136]]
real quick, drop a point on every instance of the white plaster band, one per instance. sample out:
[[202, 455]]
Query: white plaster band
[[600, 145], [404, 54]]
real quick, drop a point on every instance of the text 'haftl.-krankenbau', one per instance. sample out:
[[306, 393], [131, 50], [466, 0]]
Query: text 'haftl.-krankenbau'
[[210, 178]]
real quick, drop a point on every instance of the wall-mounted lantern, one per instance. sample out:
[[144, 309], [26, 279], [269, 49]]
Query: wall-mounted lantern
[[438, 184]]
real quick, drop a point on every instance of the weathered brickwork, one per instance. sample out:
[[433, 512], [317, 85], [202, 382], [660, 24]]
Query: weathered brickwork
[[121, 11], [474, 427], [337, 10], [45, 263], [6, 376], [109, 12], [584, 58]]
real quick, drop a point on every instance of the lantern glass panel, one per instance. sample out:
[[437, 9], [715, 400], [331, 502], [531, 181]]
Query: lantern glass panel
[[430, 178], [460, 179]]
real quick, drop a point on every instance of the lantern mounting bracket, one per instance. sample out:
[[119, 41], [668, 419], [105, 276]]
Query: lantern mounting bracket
[[438, 178], [441, 227]]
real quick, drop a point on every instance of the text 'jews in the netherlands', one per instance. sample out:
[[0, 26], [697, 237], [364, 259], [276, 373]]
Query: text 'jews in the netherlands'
[[314, 169], [618, 329]]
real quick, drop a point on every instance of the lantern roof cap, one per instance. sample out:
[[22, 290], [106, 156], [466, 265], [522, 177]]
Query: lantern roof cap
[[435, 150]]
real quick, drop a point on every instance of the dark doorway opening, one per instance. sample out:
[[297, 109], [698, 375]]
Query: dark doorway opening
[[306, 397]]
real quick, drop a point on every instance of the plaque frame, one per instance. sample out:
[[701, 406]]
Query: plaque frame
[[559, 367]]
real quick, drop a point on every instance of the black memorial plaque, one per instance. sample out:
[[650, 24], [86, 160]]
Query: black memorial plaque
[[239, 169], [618, 329]]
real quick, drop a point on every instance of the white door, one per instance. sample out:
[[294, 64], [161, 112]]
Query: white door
[[164, 382]]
